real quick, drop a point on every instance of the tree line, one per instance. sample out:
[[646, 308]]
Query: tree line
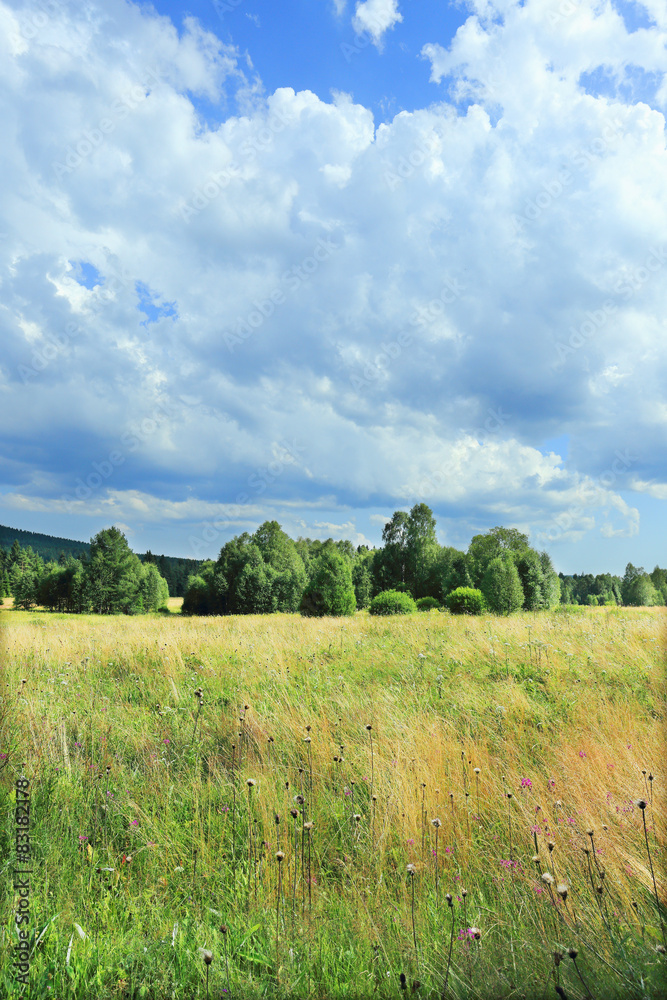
[[53, 549], [108, 579], [267, 571]]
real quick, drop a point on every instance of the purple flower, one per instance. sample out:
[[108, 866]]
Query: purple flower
[[582, 753], [526, 783]]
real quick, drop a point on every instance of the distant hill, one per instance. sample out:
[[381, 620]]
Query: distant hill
[[49, 547]]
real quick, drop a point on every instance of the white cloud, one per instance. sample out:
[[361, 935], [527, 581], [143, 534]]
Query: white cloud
[[376, 17], [417, 307]]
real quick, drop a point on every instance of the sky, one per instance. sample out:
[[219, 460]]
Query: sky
[[319, 261]]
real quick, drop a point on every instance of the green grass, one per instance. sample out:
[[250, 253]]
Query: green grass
[[136, 869]]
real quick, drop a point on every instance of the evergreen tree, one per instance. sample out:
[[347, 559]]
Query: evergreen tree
[[114, 574], [501, 585]]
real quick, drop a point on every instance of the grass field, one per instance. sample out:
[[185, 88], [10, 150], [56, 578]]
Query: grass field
[[149, 841]]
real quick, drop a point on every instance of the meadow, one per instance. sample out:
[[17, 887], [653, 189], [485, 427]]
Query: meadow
[[428, 805]]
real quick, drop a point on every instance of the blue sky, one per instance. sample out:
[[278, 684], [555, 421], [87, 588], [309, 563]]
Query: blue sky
[[322, 260]]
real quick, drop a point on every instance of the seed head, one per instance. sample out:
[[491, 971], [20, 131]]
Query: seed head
[[591, 832], [299, 799], [276, 819], [550, 845], [411, 869], [369, 727], [558, 957], [586, 850], [357, 818], [509, 795], [279, 856], [546, 877], [206, 955], [309, 825], [223, 928], [250, 782], [642, 803], [476, 770], [293, 813], [572, 952], [450, 901], [476, 933], [464, 893], [660, 948], [436, 823], [307, 739], [536, 859], [562, 890], [599, 889]]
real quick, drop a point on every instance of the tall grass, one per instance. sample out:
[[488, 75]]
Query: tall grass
[[149, 859]]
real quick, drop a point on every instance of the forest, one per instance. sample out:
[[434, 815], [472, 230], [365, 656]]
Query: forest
[[267, 572]]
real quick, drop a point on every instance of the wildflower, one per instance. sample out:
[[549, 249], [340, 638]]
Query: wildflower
[[526, 783], [582, 753]]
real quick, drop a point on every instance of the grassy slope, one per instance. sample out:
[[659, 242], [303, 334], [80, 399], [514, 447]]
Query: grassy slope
[[573, 704]]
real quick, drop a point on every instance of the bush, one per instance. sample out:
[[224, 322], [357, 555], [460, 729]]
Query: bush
[[466, 601], [392, 602], [427, 604]]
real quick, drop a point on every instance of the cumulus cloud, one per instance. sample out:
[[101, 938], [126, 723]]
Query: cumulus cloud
[[376, 17], [283, 302]]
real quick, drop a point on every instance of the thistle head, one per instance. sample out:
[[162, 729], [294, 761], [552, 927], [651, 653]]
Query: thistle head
[[280, 856], [436, 823], [572, 952], [546, 877], [641, 803], [450, 901], [250, 782], [206, 955], [562, 889]]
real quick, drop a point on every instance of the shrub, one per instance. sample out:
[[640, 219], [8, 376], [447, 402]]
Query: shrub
[[466, 601], [392, 602], [427, 603]]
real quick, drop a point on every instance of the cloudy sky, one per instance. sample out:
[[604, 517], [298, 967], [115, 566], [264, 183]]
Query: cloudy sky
[[320, 260]]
